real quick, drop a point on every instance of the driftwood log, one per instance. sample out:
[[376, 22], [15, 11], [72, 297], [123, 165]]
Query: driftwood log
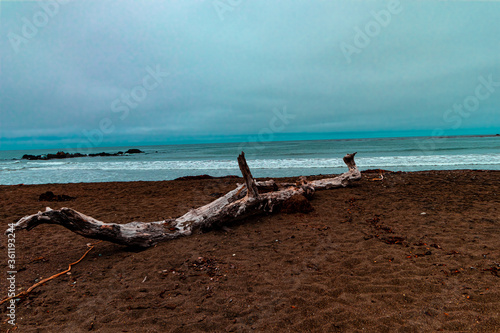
[[245, 200]]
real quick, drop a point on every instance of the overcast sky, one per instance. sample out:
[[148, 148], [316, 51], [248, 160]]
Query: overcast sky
[[101, 73]]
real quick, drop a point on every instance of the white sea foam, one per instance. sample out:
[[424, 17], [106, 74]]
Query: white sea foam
[[300, 163], [275, 159]]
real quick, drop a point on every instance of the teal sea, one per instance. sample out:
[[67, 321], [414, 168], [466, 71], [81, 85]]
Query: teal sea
[[266, 159]]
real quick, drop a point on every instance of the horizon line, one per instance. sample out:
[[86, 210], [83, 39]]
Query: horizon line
[[208, 142]]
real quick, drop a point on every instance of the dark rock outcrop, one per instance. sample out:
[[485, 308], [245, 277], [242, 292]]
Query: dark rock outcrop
[[58, 155], [50, 196], [62, 154], [134, 151]]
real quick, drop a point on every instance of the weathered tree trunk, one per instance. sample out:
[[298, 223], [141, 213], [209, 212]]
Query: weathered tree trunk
[[239, 203]]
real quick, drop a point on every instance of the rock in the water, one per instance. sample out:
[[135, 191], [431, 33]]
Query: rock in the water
[[58, 155], [62, 154], [134, 151]]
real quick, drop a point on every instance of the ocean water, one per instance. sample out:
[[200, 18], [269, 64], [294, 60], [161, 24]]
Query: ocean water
[[266, 159]]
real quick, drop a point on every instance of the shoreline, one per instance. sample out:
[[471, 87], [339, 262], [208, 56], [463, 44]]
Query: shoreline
[[416, 251], [267, 159], [284, 178]]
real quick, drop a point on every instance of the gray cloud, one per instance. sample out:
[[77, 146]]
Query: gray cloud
[[226, 76]]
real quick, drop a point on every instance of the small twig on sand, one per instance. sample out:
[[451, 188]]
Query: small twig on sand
[[30, 289]]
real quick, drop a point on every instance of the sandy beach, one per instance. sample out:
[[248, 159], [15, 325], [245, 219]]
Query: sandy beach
[[414, 252]]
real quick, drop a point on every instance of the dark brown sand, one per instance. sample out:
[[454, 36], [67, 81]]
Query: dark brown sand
[[367, 259]]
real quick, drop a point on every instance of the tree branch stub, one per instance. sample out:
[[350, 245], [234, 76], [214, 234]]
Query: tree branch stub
[[252, 191]]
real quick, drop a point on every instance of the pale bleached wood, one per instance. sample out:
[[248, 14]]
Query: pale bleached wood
[[252, 191], [243, 201], [340, 181]]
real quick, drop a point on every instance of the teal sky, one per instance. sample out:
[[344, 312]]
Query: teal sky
[[105, 73]]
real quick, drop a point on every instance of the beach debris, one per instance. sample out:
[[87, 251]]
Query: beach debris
[[210, 266], [253, 197], [392, 240], [426, 253], [352, 205], [380, 177], [493, 270], [67, 271], [50, 196], [39, 259], [320, 227], [381, 231]]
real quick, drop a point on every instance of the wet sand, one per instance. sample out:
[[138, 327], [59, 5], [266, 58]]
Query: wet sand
[[415, 252]]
